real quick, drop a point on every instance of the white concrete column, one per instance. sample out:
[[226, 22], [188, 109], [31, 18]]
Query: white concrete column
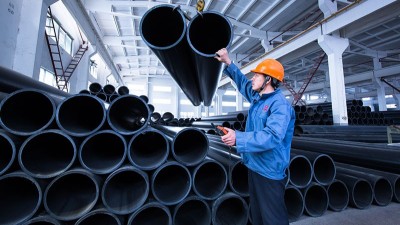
[[327, 7], [30, 44], [334, 48], [80, 77], [380, 87], [218, 104], [207, 110], [177, 101]]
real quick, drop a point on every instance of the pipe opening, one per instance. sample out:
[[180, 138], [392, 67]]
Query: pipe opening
[[47, 154], [316, 200], [186, 151], [383, 192], [103, 152], [152, 213], [7, 153], [362, 194], [396, 190], [230, 209], [206, 186], [324, 170], [294, 203], [239, 179], [193, 212], [148, 150], [338, 196], [300, 171], [98, 217]]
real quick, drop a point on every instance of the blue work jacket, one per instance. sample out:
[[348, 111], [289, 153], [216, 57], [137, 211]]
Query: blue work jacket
[[265, 144]]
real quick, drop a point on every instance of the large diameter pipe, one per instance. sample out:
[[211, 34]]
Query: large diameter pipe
[[128, 115], [189, 145], [148, 149], [72, 194], [230, 209], [382, 189], [294, 202], [301, 173], [209, 187], [338, 195], [361, 193], [47, 154], [42, 220], [323, 167], [20, 195], [81, 115], [102, 152], [26, 112], [171, 183], [163, 29], [192, 210], [11, 81], [125, 190], [315, 200], [99, 216], [8, 151], [151, 213], [206, 34]]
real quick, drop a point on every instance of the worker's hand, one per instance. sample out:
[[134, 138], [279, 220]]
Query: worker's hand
[[230, 137], [223, 56]]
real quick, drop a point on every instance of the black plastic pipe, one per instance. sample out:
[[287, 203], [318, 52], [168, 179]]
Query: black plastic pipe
[[230, 209], [163, 29], [382, 189], [209, 187], [315, 200], [72, 194], [192, 210], [81, 115], [148, 149], [47, 154], [171, 183], [128, 114], [26, 112], [323, 167], [206, 34], [109, 89], [42, 220], [125, 190], [228, 117], [21, 197], [338, 196], [102, 96], [317, 129], [189, 146], [151, 213], [103, 152], [123, 90], [11, 81], [99, 216], [95, 88], [360, 190], [301, 173], [294, 202], [8, 151]]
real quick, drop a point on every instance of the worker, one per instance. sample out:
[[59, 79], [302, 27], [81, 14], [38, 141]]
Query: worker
[[264, 146]]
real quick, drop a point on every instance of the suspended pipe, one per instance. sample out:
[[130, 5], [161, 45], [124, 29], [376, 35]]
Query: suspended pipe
[[163, 29], [301, 173], [42, 220], [47, 154], [206, 34], [229, 209], [151, 213], [148, 149], [125, 190], [378, 156], [28, 111], [338, 195], [189, 146], [360, 190], [192, 210], [20, 195], [81, 115], [123, 90], [11, 81], [102, 152], [209, 187], [315, 200], [382, 189], [8, 151], [393, 178], [95, 88], [170, 191], [323, 167], [99, 216], [128, 114], [294, 202], [65, 200]]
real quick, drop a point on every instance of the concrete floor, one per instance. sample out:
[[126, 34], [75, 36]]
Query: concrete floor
[[388, 215]]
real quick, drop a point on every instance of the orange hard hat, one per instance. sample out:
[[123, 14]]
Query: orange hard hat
[[270, 67]]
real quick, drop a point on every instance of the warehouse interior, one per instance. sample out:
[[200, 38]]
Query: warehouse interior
[[81, 77]]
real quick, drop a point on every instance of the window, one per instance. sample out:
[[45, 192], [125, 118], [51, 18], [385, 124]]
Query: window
[[162, 89], [64, 39], [47, 77], [185, 102], [163, 101], [93, 68]]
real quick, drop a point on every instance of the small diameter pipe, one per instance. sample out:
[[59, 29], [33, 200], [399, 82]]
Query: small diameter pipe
[[125, 190], [47, 154], [103, 152]]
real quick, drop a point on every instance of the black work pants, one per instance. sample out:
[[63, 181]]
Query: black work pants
[[267, 203]]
